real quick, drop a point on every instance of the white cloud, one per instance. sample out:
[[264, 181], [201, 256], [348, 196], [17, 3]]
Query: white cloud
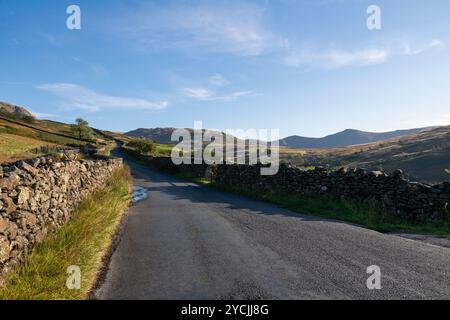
[[338, 58], [235, 28], [197, 93], [364, 57], [79, 97], [203, 94], [436, 43], [42, 115], [427, 121], [219, 80]]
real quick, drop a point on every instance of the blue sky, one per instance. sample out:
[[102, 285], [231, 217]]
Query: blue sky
[[305, 67]]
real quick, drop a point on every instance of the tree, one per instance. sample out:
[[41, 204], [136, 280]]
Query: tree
[[82, 130], [142, 145]]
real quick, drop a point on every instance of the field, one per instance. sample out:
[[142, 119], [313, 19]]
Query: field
[[19, 139], [13, 147]]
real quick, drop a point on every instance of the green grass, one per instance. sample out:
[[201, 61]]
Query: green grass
[[14, 147], [39, 135], [83, 241], [163, 149], [106, 150], [158, 150], [363, 214]]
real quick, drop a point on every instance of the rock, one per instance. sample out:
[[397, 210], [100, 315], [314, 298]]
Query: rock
[[28, 220], [397, 173], [343, 170], [35, 162], [10, 182], [8, 205], [5, 249], [4, 225], [12, 231], [21, 243], [8, 229], [26, 167], [377, 173], [24, 195], [33, 204]]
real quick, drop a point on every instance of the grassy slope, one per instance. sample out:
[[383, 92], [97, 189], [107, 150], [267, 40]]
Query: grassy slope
[[13, 147], [83, 241], [16, 129], [41, 132], [424, 156]]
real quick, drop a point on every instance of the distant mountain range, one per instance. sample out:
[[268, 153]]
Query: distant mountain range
[[345, 138], [342, 139]]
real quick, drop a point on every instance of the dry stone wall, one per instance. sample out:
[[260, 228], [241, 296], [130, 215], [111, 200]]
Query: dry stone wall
[[407, 199], [39, 194]]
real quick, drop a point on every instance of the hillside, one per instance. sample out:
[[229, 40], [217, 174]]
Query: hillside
[[161, 135], [424, 156], [345, 138], [22, 136], [158, 135], [14, 111]]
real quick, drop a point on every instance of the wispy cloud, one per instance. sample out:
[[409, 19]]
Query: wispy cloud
[[219, 80], [338, 58], [42, 115], [203, 94], [428, 121], [235, 28], [79, 97], [409, 51]]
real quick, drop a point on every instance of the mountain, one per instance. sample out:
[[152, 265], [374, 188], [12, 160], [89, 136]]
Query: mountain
[[8, 109], [345, 138], [159, 135], [424, 156]]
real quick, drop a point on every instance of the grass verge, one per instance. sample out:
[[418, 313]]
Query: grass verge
[[363, 214], [84, 241]]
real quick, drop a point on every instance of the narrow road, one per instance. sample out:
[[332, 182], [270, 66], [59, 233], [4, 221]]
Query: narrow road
[[190, 242]]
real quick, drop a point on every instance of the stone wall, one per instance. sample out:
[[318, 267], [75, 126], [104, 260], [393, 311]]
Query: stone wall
[[410, 200], [39, 194]]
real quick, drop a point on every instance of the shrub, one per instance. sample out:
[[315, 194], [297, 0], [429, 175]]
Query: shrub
[[142, 145]]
